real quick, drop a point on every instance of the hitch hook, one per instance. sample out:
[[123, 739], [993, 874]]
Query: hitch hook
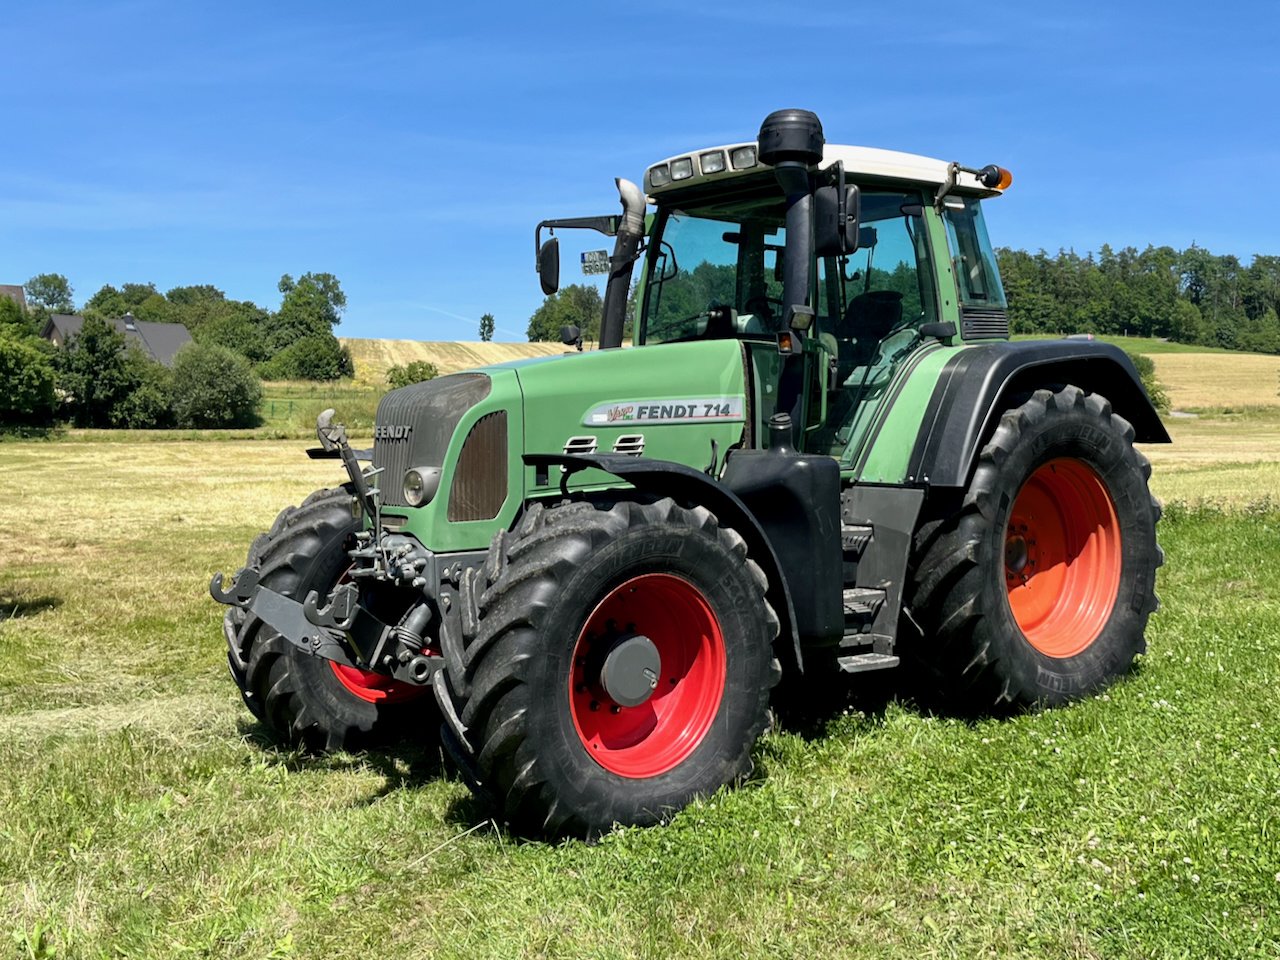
[[240, 592], [338, 613]]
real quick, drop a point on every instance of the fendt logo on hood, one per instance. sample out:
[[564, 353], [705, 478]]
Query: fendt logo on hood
[[390, 431]]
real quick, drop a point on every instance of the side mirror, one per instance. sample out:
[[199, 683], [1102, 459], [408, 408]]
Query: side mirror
[[836, 212], [549, 265], [571, 335]]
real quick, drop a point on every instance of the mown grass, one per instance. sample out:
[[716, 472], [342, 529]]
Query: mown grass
[[146, 815]]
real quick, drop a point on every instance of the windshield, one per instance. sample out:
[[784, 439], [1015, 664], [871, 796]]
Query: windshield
[[715, 277], [718, 273]]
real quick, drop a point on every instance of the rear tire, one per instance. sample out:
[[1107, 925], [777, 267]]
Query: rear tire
[[552, 750], [307, 700], [1037, 589]]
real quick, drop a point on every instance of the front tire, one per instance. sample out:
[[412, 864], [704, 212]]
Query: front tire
[[1038, 587], [581, 604], [306, 700]]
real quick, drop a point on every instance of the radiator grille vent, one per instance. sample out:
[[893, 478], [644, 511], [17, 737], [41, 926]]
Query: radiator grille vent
[[479, 485], [983, 324], [580, 445], [415, 424]]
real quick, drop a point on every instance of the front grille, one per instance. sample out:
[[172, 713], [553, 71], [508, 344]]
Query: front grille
[[479, 485], [415, 423], [984, 324]]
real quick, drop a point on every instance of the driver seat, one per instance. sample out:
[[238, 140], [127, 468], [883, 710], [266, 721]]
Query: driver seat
[[866, 321]]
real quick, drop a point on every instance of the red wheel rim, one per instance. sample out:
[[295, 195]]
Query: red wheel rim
[[1062, 557], [659, 734], [373, 687]]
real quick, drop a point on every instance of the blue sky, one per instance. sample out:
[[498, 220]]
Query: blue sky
[[411, 148]]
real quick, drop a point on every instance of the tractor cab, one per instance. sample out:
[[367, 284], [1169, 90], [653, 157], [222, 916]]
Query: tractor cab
[[917, 273], [921, 267]]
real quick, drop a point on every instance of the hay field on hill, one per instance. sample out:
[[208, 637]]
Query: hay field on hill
[[373, 357], [1219, 381]]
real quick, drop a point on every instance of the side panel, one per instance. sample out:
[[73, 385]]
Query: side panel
[[885, 442], [676, 397]]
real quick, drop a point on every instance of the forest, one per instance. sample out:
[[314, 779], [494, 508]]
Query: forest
[[1191, 296]]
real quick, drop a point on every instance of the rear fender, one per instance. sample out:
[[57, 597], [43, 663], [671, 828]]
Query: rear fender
[[977, 385]]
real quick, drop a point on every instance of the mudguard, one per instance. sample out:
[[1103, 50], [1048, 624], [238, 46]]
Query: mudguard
[[978, 384], [665, 478]]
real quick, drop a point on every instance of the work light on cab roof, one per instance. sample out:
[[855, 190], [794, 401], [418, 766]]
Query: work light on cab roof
[[601, 574]]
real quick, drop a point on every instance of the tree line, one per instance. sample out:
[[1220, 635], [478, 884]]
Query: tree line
[[1191, 296], [96, 378]]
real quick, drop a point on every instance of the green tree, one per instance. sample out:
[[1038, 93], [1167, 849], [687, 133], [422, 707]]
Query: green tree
[[214, 387], [486, 327], [578, 304], [52, 291], [1146, 368], [312, 306], [311, 358], [237, 326], [415, 372], [28, 379], [92, 372], [15, 323], [111, 304], [149, 400]]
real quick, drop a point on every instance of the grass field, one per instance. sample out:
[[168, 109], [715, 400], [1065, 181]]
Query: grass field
[[146, 815]]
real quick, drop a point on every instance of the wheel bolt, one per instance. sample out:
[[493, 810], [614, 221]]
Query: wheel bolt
[[582, 661], [615, 709], [581, 688], [595, 704]]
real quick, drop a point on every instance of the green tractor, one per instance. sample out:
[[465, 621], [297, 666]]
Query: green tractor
[[821, 456]]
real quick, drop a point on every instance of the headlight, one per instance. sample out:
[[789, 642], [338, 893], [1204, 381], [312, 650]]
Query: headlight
[[682, 169], [743, 158], [712, 162], [420, 485]]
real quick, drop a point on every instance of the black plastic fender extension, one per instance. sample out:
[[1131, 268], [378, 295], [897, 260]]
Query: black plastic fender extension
[[665, 478], [972, 389]]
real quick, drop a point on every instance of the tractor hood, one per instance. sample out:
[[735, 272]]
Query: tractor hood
[[665, 401]]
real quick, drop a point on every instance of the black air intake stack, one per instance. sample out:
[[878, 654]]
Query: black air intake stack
[[630, 233], [791, 142]]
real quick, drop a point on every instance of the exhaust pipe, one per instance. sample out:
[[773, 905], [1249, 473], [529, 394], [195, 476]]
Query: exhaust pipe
[[625, 248]]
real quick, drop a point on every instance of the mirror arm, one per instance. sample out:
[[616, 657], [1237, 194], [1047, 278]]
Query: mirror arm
[[606, 225]]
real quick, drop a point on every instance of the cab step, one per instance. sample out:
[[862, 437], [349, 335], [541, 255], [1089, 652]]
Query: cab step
[[862, 601], [854, 538], [861, 662]]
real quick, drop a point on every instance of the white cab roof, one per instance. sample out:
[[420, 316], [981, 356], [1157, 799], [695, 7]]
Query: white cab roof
[[859, 162]]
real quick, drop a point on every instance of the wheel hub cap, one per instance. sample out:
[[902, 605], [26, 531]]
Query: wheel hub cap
[[630, 671]]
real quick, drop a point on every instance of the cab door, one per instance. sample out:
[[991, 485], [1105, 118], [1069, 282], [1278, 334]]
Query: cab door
[[871, 305]]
